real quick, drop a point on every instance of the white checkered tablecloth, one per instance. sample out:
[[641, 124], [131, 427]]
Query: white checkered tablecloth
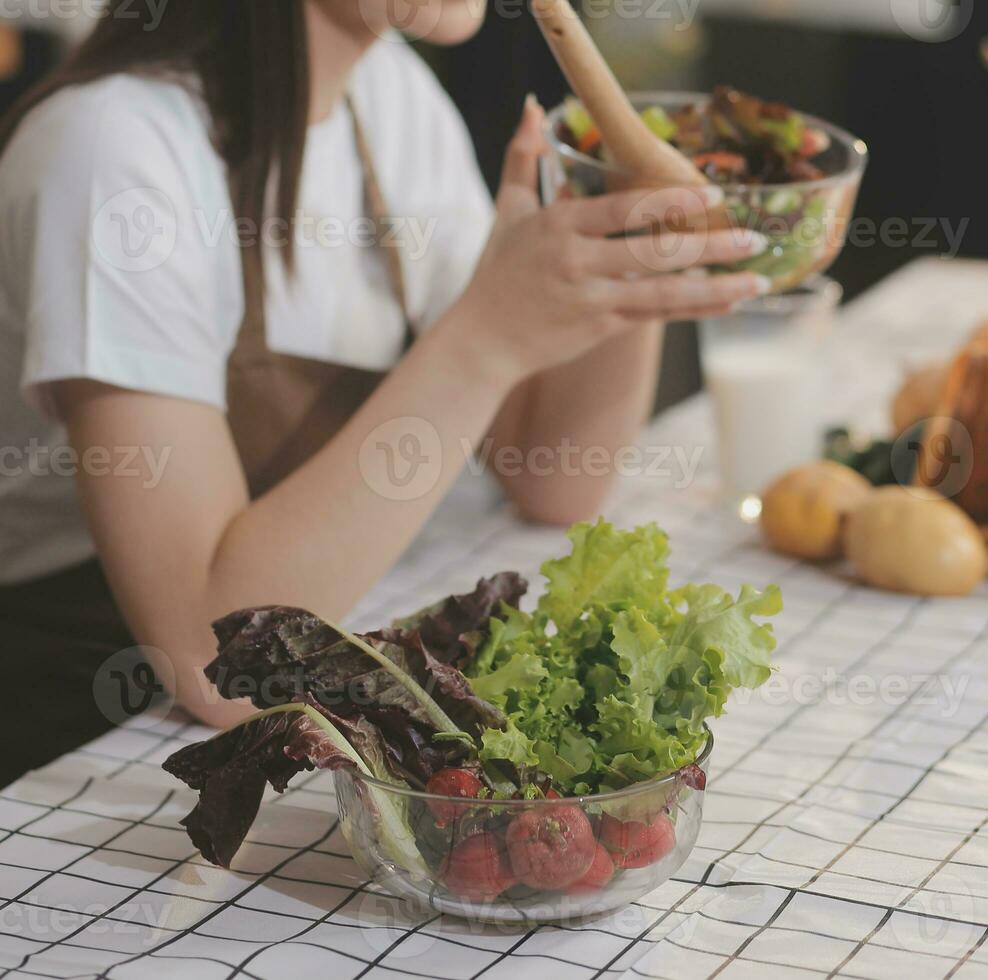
[[844, 829]]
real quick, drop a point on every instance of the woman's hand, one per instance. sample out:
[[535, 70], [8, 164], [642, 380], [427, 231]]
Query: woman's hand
[[552, 285]]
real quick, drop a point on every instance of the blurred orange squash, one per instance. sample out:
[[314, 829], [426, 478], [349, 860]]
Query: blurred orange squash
[[957, 433]]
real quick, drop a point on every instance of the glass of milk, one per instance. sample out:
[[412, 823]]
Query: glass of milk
[[763, 371]]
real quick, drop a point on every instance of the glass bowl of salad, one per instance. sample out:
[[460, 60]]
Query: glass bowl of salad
[[544, 858], [491, 761], [788, 175]]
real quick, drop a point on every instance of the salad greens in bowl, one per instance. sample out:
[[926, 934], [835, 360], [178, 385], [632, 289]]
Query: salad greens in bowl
[[492, 762], [784, 173]]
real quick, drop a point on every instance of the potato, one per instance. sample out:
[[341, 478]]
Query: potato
[[803, 511], [908, 539]]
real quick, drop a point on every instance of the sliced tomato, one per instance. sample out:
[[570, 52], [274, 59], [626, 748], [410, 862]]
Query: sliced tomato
[[634, 844], [550, 847], [722, 162], [478, 868], [813, 143], [597, 876], [589, 141]]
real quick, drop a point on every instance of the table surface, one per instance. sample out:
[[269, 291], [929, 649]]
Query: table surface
[[844, 831]]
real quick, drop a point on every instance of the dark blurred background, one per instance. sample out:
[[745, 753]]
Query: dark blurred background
[[916, 95], [908, 76]]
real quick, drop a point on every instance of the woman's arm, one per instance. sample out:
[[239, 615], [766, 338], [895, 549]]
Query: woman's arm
[[554, 443], [568, 425], [181, 541], [182, 544]]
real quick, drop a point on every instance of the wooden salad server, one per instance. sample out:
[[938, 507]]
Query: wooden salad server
[[651, 162]]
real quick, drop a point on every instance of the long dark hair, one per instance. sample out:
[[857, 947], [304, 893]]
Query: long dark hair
[[251, 57]]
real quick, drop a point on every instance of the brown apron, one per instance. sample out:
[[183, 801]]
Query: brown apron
[[283, 408], [56, 632]]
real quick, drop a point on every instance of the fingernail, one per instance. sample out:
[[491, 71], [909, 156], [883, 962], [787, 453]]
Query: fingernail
[[531, 101], [763, 284], [757, 243], [712, 195]]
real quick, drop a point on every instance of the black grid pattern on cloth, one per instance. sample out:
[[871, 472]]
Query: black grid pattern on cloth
[[842, 836]]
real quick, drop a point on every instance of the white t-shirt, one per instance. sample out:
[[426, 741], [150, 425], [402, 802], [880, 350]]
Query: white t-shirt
[[119, 261]]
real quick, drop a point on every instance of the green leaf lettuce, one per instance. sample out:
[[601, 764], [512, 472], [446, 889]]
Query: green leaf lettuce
[[612, 679]]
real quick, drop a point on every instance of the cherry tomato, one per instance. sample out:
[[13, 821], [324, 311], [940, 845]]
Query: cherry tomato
[[598, 875], [633, 844], [478, 868], [451, 782], [550, 847], [552, 795]]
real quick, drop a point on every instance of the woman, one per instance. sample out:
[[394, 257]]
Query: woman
[[228, 376]]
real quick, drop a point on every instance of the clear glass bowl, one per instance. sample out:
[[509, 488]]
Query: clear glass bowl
[[515, 860], [806, 222]]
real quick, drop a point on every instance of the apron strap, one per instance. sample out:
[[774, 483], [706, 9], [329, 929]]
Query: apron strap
[[377, 210], [282, 408], [252, 333]]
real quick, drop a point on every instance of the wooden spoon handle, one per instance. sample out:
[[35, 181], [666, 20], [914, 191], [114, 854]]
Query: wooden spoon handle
[[630, 143]]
